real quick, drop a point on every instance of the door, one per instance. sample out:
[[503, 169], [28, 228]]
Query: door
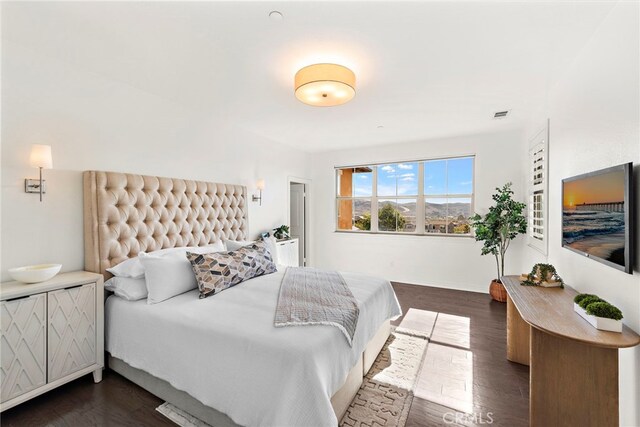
[[297, 218], [23, 349], [72, 330]]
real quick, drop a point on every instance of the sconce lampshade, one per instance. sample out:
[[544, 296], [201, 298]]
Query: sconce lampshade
[[41, 156], [260, 184], [325, 85]]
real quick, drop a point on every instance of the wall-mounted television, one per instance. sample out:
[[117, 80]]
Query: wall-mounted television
[[597, 216]]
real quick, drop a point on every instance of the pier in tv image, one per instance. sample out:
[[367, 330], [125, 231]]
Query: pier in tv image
[[594, 215]]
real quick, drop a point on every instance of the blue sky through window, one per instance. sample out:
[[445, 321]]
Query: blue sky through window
[[453, 176], [399, 179], [363, 184]]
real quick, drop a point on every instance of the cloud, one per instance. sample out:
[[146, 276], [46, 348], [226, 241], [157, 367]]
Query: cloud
[[404, 175], [388, 168], [363, 176], [407, 178], [466, 183], [405, 167], [362, 192]]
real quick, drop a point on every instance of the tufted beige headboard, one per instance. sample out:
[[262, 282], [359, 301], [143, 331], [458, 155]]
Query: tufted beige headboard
[[125, 214]]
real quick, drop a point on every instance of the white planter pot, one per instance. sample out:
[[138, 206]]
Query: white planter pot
[[601, 323]]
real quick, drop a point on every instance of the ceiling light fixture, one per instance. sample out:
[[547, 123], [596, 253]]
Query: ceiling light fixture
[[275, 16], [325, 85]]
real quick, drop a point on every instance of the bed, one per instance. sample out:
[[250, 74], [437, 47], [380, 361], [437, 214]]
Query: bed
[[220, 358]]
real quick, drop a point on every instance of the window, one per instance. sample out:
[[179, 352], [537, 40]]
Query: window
[[418, 197], [538, 190]]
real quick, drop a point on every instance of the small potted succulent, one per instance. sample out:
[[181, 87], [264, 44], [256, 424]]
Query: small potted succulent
[[281, 232], [598, 312], [544, 275]]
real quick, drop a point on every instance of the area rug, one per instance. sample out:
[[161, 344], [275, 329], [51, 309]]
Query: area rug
[[385, 397], [179, 416]]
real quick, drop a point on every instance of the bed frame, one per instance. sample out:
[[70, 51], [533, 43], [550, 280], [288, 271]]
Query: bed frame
[[125, 214]]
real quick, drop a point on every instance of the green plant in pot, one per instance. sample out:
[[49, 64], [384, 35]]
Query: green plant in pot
[[497, 229], [541, 274], [281, 232]]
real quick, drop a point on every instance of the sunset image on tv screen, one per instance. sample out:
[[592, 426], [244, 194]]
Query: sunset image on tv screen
[[593, 215]]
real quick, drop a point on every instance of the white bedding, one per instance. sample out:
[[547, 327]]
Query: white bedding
[[225, 351]]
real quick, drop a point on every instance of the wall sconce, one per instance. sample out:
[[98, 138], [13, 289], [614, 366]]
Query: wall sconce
[[40, 158], [260, 187]]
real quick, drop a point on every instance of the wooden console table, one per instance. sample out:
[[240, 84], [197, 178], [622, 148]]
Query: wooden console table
[[573, 366]]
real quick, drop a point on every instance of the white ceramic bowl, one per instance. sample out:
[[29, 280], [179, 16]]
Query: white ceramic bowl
[[34, 273]]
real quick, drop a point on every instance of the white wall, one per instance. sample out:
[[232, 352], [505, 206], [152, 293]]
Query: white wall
[[594, 116], [96, 123], [452, 262]]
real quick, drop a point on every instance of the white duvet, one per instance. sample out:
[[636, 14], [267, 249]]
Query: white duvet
[[225, 351]]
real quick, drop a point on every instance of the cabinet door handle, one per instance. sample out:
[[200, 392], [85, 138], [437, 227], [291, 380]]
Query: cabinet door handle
[[72, 287], [17, 298]]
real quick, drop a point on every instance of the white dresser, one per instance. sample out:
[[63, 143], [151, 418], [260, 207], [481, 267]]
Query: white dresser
[[50, 333], [288, 252]]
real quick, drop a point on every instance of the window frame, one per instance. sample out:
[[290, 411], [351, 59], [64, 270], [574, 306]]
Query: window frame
[[420, 198], [539, 142]]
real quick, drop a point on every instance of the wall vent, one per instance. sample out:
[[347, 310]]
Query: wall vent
[[500, 114]]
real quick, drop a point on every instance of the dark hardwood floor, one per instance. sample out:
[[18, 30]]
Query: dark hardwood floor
[[495, 390]]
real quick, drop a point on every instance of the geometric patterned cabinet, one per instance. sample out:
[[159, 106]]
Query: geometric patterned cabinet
[[50, 333], [23, 345], [72, 330]]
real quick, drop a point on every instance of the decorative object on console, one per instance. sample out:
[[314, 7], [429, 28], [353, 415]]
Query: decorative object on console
[[598, 312], [325, 85], [40, 158], [34, 273], [259, 187], [281, 232], [544, 275], [497, 229]]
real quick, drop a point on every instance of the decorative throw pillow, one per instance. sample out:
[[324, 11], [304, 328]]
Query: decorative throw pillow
[[216, 272]]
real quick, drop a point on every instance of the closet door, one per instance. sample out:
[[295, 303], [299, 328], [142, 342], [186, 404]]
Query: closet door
[[72, 330], [22, 345]]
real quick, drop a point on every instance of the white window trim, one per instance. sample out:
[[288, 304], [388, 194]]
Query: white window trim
[[420, 198], [539, 141]]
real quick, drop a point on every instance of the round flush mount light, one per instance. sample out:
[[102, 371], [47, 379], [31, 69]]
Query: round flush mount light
[[325, 85]]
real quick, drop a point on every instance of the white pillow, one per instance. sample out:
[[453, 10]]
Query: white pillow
[[134, 269], [170, 274], [127, 287], [234, 245], [272, 247]]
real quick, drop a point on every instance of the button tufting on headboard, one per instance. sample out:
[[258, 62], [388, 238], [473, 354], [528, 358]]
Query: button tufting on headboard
[[125, 214]]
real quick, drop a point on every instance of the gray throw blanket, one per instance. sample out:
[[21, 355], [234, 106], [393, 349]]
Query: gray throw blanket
[[316, 297]]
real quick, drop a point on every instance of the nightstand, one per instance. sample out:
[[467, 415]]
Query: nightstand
[[50, 333], [288, 252]]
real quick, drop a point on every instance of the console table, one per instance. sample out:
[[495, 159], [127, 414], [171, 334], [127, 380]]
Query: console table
[[573, 366]]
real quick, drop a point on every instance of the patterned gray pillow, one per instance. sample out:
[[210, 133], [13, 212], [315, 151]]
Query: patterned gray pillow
[[218, 271]]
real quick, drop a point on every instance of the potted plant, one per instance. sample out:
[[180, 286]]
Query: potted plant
[[281, 232], [544, 275], [598, 312], [497, 229]]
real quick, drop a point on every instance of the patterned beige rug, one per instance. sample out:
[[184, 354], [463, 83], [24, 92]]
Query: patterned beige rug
[[385, 397]]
